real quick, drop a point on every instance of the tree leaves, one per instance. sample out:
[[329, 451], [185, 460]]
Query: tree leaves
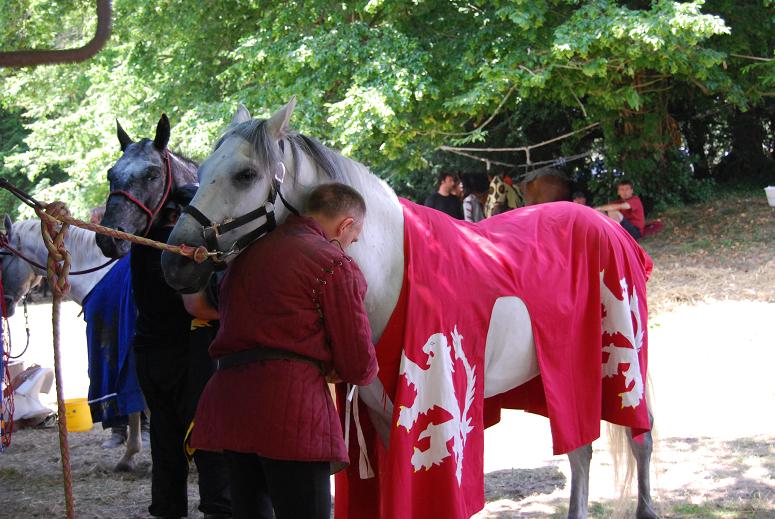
[[386, 82]]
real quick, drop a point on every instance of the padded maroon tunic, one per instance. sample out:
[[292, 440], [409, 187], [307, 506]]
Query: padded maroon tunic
[[291, 290]]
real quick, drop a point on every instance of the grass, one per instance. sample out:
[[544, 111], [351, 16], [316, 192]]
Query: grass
[[720, 249]]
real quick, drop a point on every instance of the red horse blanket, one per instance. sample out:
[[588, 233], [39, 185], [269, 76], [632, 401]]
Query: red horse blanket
[[583, 281]]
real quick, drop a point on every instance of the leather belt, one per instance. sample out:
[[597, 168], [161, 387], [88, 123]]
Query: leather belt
[[259, 354]]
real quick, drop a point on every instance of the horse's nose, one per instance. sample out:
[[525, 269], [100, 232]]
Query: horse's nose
[[10, 306], [112, 247]]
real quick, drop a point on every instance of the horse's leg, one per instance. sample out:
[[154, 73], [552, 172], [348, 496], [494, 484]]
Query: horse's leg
[[579, 481], [133, 445], [642, 449]]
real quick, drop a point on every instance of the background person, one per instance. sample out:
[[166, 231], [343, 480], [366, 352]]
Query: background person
[[446, 199], [580, 198], [475, 186], [628, 210], [162, 345]]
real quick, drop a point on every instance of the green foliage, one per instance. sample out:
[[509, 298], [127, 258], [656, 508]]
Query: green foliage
[[385, 82]]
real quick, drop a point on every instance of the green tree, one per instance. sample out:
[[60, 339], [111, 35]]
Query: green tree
[[386, 82]]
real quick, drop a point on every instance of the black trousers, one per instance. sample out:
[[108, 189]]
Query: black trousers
[[295, 489], [630, 228], [164, 375]]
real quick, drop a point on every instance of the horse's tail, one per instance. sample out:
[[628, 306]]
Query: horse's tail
[[623, 460]]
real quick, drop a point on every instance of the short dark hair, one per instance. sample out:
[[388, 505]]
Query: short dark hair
[[624, 182], [475, 183], [335, 199], [443, 176], [578, 194]]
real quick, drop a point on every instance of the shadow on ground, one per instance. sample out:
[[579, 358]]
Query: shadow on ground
[[698, 478]]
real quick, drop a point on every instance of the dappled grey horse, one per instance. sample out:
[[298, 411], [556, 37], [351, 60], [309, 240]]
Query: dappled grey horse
[[240, 183], [142, 180]]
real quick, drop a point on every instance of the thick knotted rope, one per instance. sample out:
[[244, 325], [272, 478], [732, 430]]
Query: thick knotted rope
[[58, 267]]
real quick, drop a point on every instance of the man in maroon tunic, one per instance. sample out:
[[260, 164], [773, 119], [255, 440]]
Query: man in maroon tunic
[[292, 312]]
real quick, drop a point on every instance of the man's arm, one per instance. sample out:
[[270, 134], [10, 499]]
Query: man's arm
[[618, 206], [198, 305], [347, 325]]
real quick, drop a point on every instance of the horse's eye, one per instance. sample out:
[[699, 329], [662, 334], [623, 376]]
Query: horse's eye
[[246, 175]]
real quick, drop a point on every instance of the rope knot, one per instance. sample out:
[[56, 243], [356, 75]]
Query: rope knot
[[54, 232]]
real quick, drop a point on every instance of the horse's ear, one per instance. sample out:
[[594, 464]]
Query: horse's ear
[[241, 115], [162, 137], [123, 138], [8, 224], [277, 125]]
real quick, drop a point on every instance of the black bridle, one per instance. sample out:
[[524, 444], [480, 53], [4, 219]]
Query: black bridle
[[212, 230]]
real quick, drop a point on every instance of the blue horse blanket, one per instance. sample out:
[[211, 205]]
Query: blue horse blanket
[[110, 313]]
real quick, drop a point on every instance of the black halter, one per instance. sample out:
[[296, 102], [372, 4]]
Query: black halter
[[211, 230]]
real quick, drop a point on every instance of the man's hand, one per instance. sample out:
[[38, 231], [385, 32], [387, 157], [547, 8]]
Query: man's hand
[[333, 378]]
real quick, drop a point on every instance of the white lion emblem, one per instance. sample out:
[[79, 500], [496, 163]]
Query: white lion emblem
[[618, 320], [435, 388]]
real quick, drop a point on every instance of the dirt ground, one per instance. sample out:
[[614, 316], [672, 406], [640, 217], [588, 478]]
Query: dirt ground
[[712, 302]]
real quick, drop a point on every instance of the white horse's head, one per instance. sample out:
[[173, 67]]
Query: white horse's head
[[18, 276], [258, 172]]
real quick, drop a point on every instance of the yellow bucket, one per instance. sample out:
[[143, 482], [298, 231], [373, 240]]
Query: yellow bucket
[[78, 415]]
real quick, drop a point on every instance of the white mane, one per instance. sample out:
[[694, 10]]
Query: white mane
[[81, 244]]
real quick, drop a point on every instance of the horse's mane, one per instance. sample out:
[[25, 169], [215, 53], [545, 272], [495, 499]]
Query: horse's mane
[[80, 242], [547, 171], [255, 132]]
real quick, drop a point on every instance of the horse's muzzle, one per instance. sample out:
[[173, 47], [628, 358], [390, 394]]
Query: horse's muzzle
[[113, 247], [184, 274]]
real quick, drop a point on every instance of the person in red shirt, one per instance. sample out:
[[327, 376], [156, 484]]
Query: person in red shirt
[[628, 210], [292, 313]]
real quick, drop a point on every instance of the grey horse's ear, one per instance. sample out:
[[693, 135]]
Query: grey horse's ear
[[123, 138], [241, 115], [277, 125], [162, 137], [8, 224]]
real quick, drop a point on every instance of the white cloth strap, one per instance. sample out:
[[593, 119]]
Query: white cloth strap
[[351, 407]]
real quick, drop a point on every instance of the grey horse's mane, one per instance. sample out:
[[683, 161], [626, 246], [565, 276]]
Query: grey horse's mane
[[255, 132]]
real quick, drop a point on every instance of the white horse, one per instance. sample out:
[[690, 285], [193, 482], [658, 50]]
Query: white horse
[[19, 277], [246, 170]]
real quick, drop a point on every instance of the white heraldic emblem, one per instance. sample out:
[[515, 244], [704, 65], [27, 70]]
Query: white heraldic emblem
[[435, 388], [618, 320]]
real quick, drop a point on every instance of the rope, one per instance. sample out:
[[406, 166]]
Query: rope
[[58, 267], [6, 402], [198, 254], [54, 222]]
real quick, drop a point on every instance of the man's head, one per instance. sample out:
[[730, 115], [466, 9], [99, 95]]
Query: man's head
[[580, 198], [447, 183], [340, 211], [624, 189]]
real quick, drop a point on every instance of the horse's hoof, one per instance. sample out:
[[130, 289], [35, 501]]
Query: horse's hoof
[[645, 512], [124, 466], [115, 440]]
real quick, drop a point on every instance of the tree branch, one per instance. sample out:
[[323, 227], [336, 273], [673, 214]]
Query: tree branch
[[525, 149], [488, 121], [754, 58]]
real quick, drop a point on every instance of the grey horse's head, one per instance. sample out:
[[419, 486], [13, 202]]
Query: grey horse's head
[[138, 184], [18, 275]]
